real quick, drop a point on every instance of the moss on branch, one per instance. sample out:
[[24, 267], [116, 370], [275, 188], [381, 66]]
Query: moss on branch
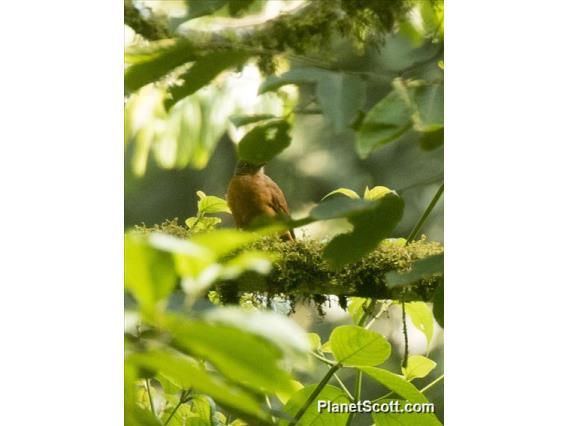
[[300, 270]]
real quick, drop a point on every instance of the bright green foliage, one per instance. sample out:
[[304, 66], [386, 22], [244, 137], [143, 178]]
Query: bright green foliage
[[354, 346], [395, 383], [422, 269], [422, 318], [345, 191], [357, 307], [264, 142], [311, 416], [418, 366]]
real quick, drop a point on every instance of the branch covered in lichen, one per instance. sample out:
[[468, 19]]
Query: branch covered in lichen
[[150, 26]]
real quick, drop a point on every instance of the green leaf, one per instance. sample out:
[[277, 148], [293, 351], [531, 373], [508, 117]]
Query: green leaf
[[337, 207], [376, 193], [384, 123], [354, 346], [294, 76], [148, 273], [340, 96], [202, 223], [315, 341], [421, 269], [369, 228], [156, 60], [422, 318], [418, 366], [242, 357], [208, 204], [312, 416], [238, 6], [264, 142], [429, 100], [223, 241], [438, 308], [395, 383], [356, 308], [403, 419], [243, 120], [345, 191], [186, 373], [203, 71], [432, 140], [199, 8]]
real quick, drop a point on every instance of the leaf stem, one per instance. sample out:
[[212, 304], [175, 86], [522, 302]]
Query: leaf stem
[[405, 333], [315, 393], [182, 399], [150, 396], [425, 215], [358, 385], [432, 383]]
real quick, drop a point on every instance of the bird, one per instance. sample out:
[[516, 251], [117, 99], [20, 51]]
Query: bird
[[252, 195]]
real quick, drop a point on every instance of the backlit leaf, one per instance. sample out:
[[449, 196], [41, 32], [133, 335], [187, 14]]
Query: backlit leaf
[[355, 346]]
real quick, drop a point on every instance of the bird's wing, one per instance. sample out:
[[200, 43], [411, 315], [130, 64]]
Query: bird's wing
[[277, 199]]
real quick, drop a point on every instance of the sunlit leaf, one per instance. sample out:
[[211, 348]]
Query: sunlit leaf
[[202, 223], [395, 383], [422, 318], [242, 357], [315, 341], [429, 101], [356, 308], [212, 204], [376, 192], [355, 346], [345, 191], [418, 366]]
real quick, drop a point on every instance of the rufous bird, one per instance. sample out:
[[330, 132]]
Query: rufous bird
[[252, 195]]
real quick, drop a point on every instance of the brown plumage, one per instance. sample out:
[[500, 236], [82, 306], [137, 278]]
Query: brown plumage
[[252, 195]]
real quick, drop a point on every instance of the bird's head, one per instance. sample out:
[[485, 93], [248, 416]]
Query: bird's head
[[247, 168]]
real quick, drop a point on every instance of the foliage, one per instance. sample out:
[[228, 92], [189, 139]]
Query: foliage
[[224, 365]]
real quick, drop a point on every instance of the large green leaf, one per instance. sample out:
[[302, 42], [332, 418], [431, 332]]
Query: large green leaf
[[421, 269], [186, 373], [395, 383], [243, 357], [354, 346], [264, 142], [155, 61], [340, 96], [432, 140], [208, 204], [403, 419], [148, 273], [384, 123], [203, 71], [312, 417], [369, 228]]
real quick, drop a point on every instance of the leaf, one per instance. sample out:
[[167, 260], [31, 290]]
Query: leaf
[[312, 416], [438, 309], [264, 142], [242, 357], [238, 6], [403, 419], [338, 207], [211, 204], [421, 316], [243, 120], [429, 114], [284, 397], [186, 373], [340, 96], [395, 383], [223, 241], [432, 140], [376, 193], [345, 191], [369, 228], [156, 60], [384, 123], [294, 76], [356, 308], [418, 366], [354, 346], [148, 273], [199, 8], [421, 269], [315, 341], [202, 223], [202, 72]]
